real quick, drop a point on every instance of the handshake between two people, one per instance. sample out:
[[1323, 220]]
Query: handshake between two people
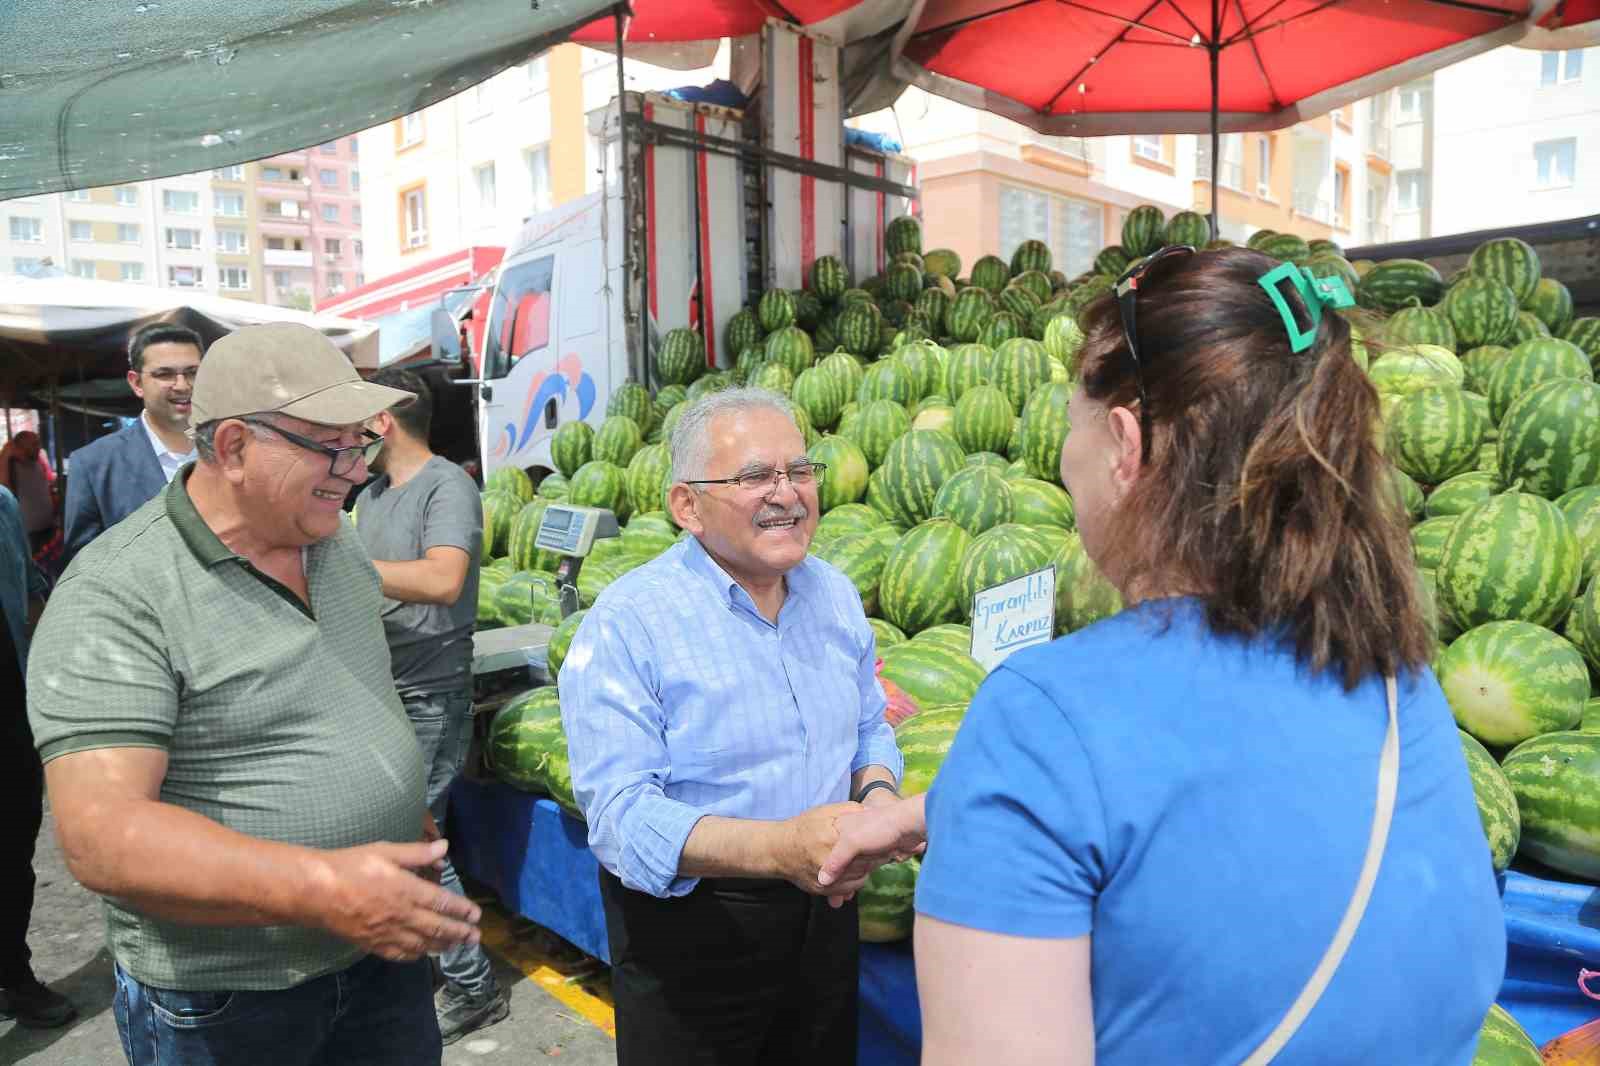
[[833, 849]]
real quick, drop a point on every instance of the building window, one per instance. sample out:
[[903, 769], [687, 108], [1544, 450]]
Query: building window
[[414, 217], [1560, 66], [78, 196], [359, 249], [330, 212], [331, 148], [329, 178], [1413, 102], [538, 74], [80, 231], [332, 246], [228, 173], [183, 239], [335, 282], [1072, 228], [1264, 166], [229, 204], [186, 277], [275, 244], [361, 279], [234, 278], [132, 271], [271, 173], [1410, 190], [1230, 171], [1555, 163], [537, 160], [128, 232], [82, 268], [478, 100], [232, 241], [180, 202], [355, 181], [355, 145], [27, 264], [411, 129], [281, 209], [280, 279], [355, 214], [127, 196], [1149, 146], [483, 181], [27, 230], [1341, 193]]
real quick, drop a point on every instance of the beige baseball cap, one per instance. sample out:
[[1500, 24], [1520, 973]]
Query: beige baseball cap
[[288, 368]]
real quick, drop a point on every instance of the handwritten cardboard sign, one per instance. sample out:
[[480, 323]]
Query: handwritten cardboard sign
[[1009, 617]]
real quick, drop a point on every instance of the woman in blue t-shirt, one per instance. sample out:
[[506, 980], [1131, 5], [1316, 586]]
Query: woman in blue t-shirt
[[1147, 834]]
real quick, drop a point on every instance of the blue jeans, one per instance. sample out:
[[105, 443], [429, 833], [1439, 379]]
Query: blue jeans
[[375, 1013], [443, 722]]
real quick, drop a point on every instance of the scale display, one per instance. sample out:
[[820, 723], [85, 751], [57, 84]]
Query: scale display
[[569, 530]]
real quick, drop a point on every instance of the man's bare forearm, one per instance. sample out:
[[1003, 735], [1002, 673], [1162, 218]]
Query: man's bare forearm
[[861, 777], [418, 581], [730, 847]]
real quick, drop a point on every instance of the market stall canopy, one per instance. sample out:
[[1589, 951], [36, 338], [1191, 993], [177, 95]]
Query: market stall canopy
[[72, 329], [1098, 67]]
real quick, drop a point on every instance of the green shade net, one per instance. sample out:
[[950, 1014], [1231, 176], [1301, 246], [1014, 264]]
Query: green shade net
[[97, 92]]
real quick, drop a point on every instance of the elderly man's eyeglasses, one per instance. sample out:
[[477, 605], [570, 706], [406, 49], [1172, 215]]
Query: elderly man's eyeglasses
[[763, 481], [340, 460], [168, 375]]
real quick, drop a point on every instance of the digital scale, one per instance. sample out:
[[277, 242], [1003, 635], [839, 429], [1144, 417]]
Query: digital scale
[[570, 532]]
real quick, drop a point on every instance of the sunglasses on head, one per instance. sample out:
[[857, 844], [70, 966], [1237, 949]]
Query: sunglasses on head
[[1127, 290]]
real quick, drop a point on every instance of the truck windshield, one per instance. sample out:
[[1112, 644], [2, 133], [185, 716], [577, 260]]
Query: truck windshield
[[519, 321]]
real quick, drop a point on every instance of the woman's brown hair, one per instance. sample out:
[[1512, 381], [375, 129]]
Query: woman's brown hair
[[1265, 493]]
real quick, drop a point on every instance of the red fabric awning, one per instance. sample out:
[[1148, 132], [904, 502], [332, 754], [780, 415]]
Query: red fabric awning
[[416, 285], [666, 21], [1571, 13]]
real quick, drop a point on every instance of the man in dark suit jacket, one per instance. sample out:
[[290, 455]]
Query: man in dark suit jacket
[[114, 476]]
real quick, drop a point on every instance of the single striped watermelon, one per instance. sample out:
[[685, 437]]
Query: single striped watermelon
[[860, 329], [618, 439], [572, 446], [1497, 804], [885, 635], [969, 313], [1434, 434], [1478, 363], [1063, 341], [561, 642], [1393, 283], [1408, 495], [1585, 333], [1508, 681], [846, 477], [1002, 553], [1041, 503], [829, 279], [1556, 778], [821, 394], [601, 484], [1001, 327], [790, 348], [1532, 363], [919, 587], [1188, 227], [1481, 310], [903, 234], [932, 673], [1044, 427], [512, 479], [1143, 230], [1020, 366], [1420, 325], [848, 518], [742, 332], [1502, 1042], [1428, 537], [1111, 261], [923, 361], [1512, 557], [1529, 327], [499, 511], [860, 557], [682, 355], [1550, 438], [956, 636], [975, 498], [1581, 507], [1511, 261], [776, 310], [924, 741], [1462, 492], [1402, 371], [991, 273], [1083, 595], [885, 905], [554, 487], [648, 471], [519, 542], [522, 735], [915, 467], [968, 366], [1551, 303], [984, 419], [880, 424]]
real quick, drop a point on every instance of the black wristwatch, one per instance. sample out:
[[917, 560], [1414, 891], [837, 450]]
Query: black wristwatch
[[870, 785]]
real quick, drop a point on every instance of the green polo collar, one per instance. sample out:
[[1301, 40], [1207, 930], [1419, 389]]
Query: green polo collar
[[206, 545]]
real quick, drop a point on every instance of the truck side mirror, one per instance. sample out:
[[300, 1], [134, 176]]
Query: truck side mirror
[[446, 338]]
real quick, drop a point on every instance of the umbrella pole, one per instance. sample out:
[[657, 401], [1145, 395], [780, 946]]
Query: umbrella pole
[[1216, 138]]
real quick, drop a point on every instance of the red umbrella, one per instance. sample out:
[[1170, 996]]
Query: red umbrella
[[1097, 67], [1568, 13]]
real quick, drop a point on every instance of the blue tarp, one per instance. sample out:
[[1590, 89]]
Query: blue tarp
[[878, 142], [537, 860], [720, 93]]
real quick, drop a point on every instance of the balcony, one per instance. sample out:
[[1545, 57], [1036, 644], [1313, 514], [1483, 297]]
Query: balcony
[[283, 257], [1378, 137], [1310, 205]]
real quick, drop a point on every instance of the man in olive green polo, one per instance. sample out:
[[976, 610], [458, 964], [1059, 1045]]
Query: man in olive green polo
[[227, 761]]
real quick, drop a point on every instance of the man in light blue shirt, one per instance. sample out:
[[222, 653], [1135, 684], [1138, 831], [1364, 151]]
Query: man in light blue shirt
[[722, 711]]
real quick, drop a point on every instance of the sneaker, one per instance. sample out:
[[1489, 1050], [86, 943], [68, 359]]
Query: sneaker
[[460, 1015], [36, 1007]]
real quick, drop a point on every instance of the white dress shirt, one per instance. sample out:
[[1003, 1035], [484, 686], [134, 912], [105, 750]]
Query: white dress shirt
[[171, 462]]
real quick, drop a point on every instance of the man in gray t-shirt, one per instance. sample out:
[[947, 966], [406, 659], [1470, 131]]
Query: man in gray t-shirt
[[422, 522]]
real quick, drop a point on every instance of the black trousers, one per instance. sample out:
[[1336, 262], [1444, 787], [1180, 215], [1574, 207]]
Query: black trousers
[[21, 812], [736, 973]]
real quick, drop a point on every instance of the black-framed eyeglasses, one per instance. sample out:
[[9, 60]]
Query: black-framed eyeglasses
[[340, 460], [764, 481], [1127, 290]]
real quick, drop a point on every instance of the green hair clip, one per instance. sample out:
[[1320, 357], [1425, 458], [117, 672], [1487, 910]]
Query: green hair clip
[[1315, 293]]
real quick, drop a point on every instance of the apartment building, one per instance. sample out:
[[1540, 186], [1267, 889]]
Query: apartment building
[[284, 231]]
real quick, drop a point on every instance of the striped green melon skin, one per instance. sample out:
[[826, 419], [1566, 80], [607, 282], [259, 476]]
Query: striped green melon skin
[[821, 395], [1550, 438], [1001, 327], [512, 479], [924, 741], [878, 425], [522, 597], [790, 348], [975, 498], [829, 278], [1556, 778], [601, 484], [919, 587], [1020, 366], [743, 331], [1528, 327], [1462, 492], [1434, 434], [1331, 265], [1591, 717], [1030, 255], [1143, 230], [969, 312], [1508, 681], [1482, 311], [571, 447], [995, 461], [1019, 301], [860, 557], [983, 420], [1083, 595], [1393, 283], [1079, 299], [1497, 804], [1188, 227], [631, 400], [1428, 537], [859, 329], [933, 304], [931, 673], [682, 356], [1002, 553], [967, 367], [1408, 494], [924, 362], [1551, 303], [561, 642], [554, 487], [617, 440], [1037, 282], [1402, 371], [1044, 429], [1581, 508], [878, 499], [1289, 247], [1478, 363], [1512, 557], [1584, 624], [1063, 341], [776, 310], [885, 634], [519, 541], [1533, 363], [902, 281], [1111, 261], [522, 735], [887, 380], [955, 636], [849, 518], [1585, 333], [1040, 503], [774, 377], [1502, 1042], [915, 467], [991, 273], [1420, 325], [706, 384], [846, 368], [903, 234], [885, 905], [1510, 261], [647, 470], [846, 478], [1442, 628], [499, 511]]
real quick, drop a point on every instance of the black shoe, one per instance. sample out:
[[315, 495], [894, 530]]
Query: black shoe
[[460, 1015], [36, 1007]]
